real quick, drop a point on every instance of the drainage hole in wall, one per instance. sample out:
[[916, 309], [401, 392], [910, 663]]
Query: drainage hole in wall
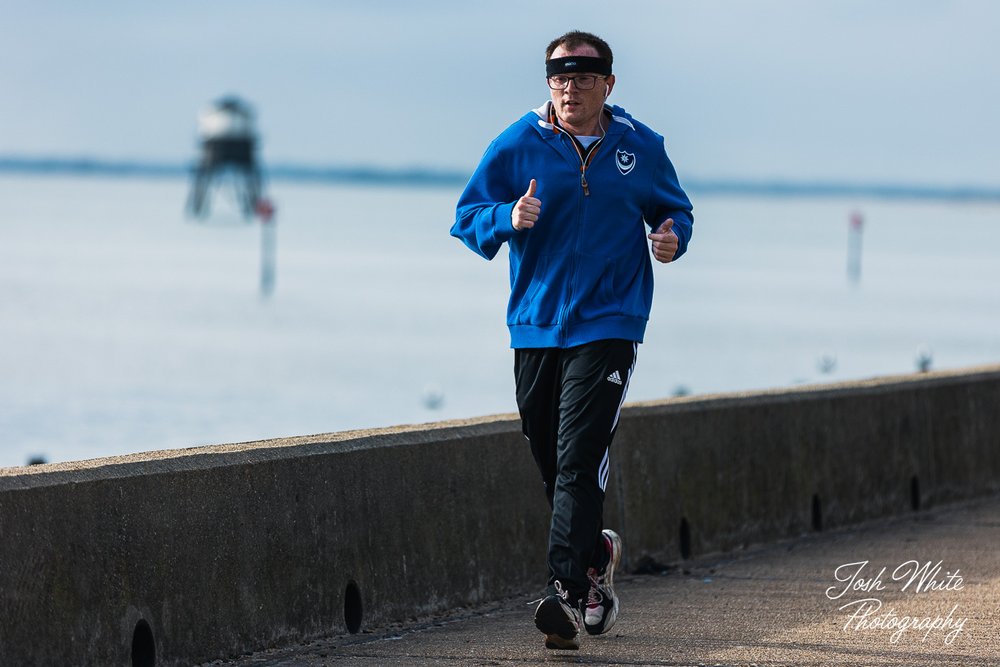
[[685, 539], [915, 493], [817, 513], [353, 612], [143, 645]]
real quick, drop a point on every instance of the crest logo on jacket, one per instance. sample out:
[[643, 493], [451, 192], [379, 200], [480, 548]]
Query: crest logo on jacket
[[625, 161]]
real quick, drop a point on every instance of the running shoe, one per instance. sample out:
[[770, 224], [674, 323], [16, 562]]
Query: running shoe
[[602, 603], [559, 619]]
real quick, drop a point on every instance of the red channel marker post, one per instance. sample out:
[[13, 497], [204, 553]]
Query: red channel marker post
[[268, 241], [854, 247]]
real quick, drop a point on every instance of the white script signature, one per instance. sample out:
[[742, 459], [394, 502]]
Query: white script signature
[[911, 576]]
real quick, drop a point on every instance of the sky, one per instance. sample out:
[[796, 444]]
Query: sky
[[888, 91]]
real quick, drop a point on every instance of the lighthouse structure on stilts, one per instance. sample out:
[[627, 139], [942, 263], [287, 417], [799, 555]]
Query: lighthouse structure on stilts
[[228, 162], [228, 142]]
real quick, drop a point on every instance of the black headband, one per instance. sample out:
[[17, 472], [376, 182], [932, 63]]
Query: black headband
[[556, 66]]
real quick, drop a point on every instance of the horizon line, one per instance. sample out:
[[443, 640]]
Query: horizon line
[[439, 177]]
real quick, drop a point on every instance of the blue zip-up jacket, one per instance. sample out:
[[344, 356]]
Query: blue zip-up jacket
[[583, 272]]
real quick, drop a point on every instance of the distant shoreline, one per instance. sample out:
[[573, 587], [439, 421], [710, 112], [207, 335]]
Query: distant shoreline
[[432, 177]]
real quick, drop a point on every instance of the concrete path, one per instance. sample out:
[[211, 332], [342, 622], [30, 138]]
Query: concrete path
[[764, 606]]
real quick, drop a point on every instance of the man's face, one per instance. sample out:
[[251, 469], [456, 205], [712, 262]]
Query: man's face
[[579, 110]]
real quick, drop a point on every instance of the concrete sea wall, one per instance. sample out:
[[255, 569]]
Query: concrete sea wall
[[173, 558]]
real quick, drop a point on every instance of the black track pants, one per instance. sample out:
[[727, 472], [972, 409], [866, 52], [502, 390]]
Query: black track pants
[[570, 400]]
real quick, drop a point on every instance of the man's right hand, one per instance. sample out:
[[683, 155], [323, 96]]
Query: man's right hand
[[527, 209]]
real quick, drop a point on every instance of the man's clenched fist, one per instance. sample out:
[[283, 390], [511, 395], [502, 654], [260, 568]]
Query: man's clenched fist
[[664, 242]]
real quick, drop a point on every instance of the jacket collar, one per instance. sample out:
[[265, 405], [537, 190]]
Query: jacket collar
[[620, 120]]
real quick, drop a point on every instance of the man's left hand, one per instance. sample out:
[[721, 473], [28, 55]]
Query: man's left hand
[[664, 242]]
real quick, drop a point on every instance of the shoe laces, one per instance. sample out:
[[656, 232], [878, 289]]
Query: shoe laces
[[564, 594], [594, 597], [560, 591]]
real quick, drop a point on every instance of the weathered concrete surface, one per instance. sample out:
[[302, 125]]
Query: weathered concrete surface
[[761, 606], [221, 550], [232, 548], [746, 468]]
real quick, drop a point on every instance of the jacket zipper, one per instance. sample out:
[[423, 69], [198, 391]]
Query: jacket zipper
[[563, 320], [584, 160], [584, 163]]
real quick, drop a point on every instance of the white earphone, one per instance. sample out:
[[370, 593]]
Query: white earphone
[[607, 92]]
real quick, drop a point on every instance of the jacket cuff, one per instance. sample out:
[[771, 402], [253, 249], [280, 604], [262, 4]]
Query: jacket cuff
[[503, 230]]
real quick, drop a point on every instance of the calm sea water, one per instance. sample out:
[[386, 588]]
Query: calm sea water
[[125, 328]]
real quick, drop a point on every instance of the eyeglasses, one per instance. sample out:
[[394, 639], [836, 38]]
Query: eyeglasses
[[582, 82]]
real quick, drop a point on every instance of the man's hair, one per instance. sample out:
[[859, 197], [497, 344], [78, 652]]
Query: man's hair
[[575, 38]]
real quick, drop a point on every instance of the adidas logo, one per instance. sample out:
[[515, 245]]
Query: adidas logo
[[615, 377]]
